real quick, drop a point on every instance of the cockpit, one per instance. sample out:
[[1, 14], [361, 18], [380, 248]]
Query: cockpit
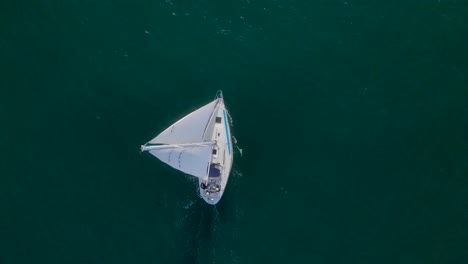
[[213, 185]]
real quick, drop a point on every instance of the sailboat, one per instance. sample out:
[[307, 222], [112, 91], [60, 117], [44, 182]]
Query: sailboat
[[199, 145]]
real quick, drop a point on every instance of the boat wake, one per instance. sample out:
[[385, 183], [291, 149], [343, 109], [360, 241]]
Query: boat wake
[[210, 234], [239, 150], [190, 204]]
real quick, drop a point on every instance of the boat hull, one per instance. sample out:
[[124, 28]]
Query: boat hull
[[212, 189]]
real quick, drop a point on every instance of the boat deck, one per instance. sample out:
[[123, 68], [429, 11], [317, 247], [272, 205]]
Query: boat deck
[[221, 158]]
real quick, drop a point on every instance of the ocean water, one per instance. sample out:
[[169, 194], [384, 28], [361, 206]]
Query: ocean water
[[351, 117]]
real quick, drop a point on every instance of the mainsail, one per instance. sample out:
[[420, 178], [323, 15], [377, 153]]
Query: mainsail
[[193, 159], [189, 129], [182, 145]]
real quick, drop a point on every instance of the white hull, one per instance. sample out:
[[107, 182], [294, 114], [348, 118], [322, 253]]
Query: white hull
[[222, 155]]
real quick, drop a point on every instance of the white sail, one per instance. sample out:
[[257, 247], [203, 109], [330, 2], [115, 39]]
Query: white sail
[[199, 144], [189, 129], [193, 159]]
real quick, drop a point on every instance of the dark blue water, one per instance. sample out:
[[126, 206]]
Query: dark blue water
[[352, 118]]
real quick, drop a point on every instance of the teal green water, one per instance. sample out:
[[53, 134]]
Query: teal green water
[[352, 118]]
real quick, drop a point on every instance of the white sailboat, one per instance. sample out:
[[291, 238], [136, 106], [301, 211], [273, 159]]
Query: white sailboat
[[199, 144]]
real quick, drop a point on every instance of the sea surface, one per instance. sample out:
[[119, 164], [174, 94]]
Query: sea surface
[[351, 121]]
